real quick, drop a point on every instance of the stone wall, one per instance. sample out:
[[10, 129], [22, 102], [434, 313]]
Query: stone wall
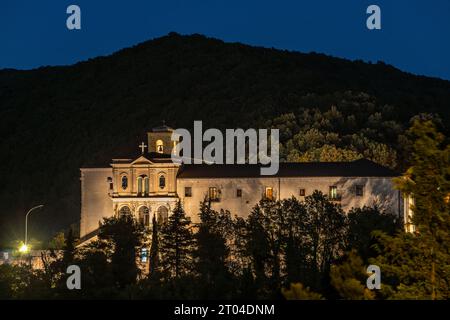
[[95, 201], [376, 190]]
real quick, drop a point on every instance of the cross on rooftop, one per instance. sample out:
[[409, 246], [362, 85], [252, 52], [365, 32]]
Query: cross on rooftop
[[142, 146]]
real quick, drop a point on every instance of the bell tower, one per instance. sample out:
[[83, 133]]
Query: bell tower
[[159, 140]]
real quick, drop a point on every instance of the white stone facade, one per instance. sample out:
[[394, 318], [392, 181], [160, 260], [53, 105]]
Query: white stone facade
[[150, 183], [375, 190]]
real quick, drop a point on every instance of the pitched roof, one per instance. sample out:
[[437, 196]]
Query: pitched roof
[[162, 128], [358, 168]]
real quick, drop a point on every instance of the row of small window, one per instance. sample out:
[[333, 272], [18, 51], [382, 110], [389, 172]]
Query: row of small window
[[214, 192], [142, 183], [162, 214]]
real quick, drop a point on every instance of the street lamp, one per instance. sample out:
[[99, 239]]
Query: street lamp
[[24, 247]]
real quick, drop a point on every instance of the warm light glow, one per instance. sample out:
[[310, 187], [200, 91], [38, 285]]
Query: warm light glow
[[447, 198], [24, 248]]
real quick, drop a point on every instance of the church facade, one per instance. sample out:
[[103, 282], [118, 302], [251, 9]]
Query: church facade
[[149, 183]]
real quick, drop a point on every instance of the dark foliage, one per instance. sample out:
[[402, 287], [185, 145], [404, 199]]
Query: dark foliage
[[176, 244]]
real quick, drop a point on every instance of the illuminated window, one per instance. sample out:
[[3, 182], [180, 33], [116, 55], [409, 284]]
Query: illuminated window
[[188, 191], [333, 193], [124, 182], [124, 211], [359, 190], [302, 192], [159, 146], [268, 194], [144, 255], [146, 185], [143, 186], [144, 216], [139, 183], [163, 215], [213, 194], [162, 181]]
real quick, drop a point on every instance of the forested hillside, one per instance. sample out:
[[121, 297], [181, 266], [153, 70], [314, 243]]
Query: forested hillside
[[58, 119]]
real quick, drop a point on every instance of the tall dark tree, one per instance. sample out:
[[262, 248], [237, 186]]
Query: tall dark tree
[[264, 244], [349, 278], [98, 279], [325, 227], [69, 247], [296, 258], [126, 236], [68, 258], [416, 264], [363, 222], [154, 249], [177, 244], [212, 251]]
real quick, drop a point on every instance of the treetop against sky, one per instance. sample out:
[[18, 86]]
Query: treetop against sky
[[411, 35]]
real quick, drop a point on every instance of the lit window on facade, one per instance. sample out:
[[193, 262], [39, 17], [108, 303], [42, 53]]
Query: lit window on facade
[[268, 193], [333, 194], [163, 215], [124, 211], [146, 185], [143, 185], [213, 194], [144, 255], [139, 185], [144, 216]]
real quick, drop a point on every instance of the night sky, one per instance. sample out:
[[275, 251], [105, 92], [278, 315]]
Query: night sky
[[415, 35]]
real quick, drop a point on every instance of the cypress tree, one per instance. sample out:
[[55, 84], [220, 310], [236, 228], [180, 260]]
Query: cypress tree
[[154, 249], [176, 244]]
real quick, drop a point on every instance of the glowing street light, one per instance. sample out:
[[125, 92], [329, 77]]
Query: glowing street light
[[24, 247]]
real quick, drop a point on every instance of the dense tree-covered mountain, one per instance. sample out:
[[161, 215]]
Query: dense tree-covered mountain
[[58, 119]]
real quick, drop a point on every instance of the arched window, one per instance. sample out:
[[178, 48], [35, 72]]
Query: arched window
[[142, 185], [162, 181], [163, 215], [159, 146], [144, 216], [146, 185], [124, 182], [139, 185], [125, 210]]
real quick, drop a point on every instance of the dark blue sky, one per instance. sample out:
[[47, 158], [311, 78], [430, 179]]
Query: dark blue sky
[[415, 34]]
